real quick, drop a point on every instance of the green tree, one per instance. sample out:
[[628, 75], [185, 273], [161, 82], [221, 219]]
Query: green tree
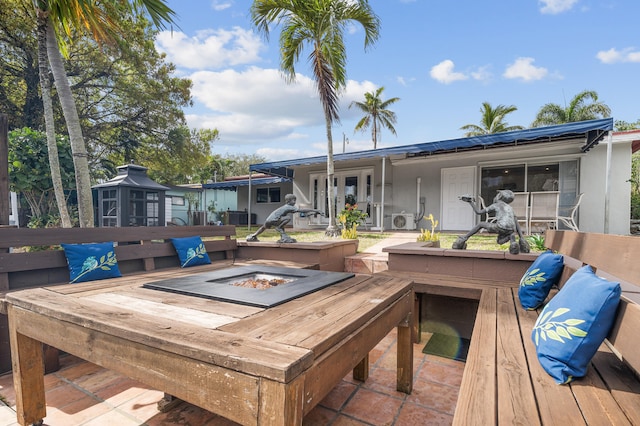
[[238, 164], [320, 26], [492, 121], [180, 157], [621, 126], [583, 106], [376, 114], [30, 174], [61, 18]]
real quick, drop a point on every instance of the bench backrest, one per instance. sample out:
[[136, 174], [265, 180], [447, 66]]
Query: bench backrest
[[614, 257], [138, 249]]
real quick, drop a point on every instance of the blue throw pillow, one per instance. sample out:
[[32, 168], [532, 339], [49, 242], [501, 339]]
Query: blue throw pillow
[[88, 262], [574, 324], [536, 283], [191, 251]]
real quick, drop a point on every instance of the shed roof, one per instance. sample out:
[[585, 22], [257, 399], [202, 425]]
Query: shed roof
[[232, 185], [593, 131]]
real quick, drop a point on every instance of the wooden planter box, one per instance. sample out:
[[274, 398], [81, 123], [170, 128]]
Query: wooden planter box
[[328, 255]]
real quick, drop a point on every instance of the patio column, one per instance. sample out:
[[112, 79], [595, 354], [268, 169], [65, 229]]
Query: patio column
[[607, 184], [384, 173], [249, 204]]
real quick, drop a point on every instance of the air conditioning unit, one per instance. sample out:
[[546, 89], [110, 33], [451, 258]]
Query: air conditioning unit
[[404, 221]]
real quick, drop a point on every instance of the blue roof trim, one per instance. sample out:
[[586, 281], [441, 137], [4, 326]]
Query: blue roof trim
[[594, 130], [231, 185]]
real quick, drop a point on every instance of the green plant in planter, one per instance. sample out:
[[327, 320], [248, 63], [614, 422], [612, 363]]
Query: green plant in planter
[[429, 235], [537, 242], [350, 217]]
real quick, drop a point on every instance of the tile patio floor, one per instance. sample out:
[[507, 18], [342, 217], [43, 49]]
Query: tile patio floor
[[81, 393]]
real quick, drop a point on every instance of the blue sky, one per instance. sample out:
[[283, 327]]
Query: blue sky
[[441, 58]]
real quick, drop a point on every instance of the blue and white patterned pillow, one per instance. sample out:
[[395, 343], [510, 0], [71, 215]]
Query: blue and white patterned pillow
[[574, 324], [88, 262], [191, 251], [536, 283]]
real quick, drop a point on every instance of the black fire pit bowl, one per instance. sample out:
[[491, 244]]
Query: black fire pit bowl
[[218, 285]]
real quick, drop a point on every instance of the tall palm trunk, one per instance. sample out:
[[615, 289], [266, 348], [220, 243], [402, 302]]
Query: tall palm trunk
[[52, 147], [332, 229], [78, 149]]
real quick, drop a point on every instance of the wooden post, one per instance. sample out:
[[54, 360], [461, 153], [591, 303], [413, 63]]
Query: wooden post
[[4, 169]]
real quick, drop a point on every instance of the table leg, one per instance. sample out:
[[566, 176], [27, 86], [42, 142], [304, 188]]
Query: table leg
[[28, 375], [361, 371], [281, 404], [405, 356]]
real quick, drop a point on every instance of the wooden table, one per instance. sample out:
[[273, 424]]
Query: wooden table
[[251, 365]]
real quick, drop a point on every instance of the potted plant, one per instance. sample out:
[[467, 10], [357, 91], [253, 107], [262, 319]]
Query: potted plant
[[430, 235], [350, 217]]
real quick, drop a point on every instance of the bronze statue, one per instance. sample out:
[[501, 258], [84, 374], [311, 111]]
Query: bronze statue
[[279, 218], [506, 224]]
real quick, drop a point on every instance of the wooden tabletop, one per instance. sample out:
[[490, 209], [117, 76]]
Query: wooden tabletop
[[159, 337]]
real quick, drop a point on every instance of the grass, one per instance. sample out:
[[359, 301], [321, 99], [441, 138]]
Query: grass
[[368, 239]]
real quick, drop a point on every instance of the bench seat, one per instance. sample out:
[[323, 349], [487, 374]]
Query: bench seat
[[503, 382]]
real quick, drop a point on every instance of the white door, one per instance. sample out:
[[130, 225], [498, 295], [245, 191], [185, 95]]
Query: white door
[[457, 215]]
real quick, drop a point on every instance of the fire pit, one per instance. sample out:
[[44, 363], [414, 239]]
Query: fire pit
[[261, 286]]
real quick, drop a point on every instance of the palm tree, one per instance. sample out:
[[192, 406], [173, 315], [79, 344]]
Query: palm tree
[[320, 25], [61, 17], [52, 146], [376, 114], [492, 121], [578, 110]]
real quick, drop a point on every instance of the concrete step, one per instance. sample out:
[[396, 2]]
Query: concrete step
[[366, 263]]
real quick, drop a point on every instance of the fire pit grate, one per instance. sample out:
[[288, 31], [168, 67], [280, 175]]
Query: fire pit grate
[[235, 284]]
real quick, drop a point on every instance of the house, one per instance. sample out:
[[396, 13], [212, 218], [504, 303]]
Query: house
[[410, 181], [196, 209], [256, 194]]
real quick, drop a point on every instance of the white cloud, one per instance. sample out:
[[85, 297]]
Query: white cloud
[[210, 48], [219, 5], [257, 104], [613, 55], [482, 74], [524, 69], [444, 72], [553, 7]]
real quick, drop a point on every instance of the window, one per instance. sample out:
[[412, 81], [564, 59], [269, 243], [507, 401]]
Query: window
[[109, 207], [268, 195], [561, 176], [177, 200]]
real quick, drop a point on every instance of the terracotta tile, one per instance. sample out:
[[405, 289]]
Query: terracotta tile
[[112, 417], [75, 413], [441, 373], [347, 421], [121, 390], [389, 360], [384, 381], [412, 414], [64, 395], [186, 414], [319, 416], [375, 354], [144, 406], [439, 397], [339, 395], [76, 370], [97, 380], [373, 407]]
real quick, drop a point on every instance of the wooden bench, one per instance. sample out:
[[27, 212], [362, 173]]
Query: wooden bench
[[503, 382], [139, 250]]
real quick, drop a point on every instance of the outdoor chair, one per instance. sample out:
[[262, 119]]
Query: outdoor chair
[[544, 209], [570, 219], [489, 216], [520, 206]]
